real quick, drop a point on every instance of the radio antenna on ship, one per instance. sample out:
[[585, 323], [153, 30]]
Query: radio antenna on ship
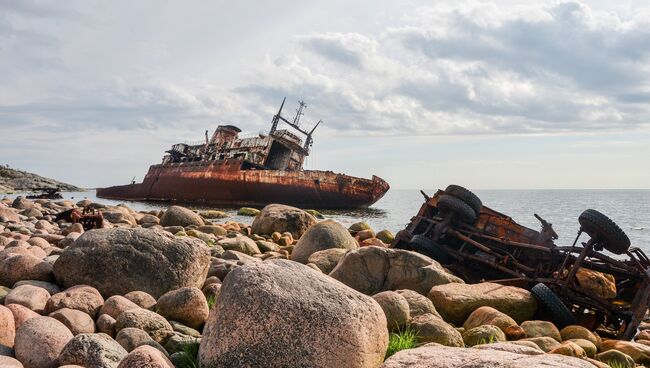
[[299, 113]]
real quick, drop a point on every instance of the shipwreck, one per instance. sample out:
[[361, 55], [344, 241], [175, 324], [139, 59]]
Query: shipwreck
[[229, 170]]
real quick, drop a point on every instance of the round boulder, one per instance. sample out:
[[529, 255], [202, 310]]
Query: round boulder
[[187, 305], [39, 341], [323, 235], [302, 309], [146, 357], [431, 328], [489, 316], [92, 350], [429, 356], [455, 302], [280, 218], [374, 269], [7, 327], [76, 321], [152, 323], [141, 298], [180, 216], [83, 298], [541, 328], [24, 267], [117, 261], [395, 307], [484, 334], [32, 297], [115, 305]]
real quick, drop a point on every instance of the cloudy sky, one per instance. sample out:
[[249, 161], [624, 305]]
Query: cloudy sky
[[500, 94]]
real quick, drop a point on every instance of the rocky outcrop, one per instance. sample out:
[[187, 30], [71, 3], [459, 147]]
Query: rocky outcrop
[[280, 218], [374, 269], [455, 302], [13, 180], [324, 323], [323, 235], [117, 261]]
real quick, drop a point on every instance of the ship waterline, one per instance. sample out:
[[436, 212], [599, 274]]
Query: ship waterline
[[223, 182]]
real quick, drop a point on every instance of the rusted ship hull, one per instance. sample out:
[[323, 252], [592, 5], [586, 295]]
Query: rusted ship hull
[[224, 183]]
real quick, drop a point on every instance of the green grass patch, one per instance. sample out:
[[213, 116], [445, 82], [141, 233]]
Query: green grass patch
[[190, 356], [615, 364], [212, 300], [401, 340]]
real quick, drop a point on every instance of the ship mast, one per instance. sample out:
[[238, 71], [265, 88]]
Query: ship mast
[[295, 124]]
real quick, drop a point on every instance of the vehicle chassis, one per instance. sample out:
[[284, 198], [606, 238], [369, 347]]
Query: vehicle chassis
[[497, 249]]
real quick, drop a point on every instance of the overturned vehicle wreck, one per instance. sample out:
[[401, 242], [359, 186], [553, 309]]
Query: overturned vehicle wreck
[[480, 244]]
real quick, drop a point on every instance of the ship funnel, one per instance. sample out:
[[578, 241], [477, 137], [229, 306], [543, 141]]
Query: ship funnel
[[224, 134]]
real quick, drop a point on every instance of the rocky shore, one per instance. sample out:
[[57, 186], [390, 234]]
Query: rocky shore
[[13, 180], [180, 288]]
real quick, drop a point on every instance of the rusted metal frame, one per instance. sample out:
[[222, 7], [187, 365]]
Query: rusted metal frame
[[564, 283], [641, 301], [513, 243], [610, 265], [489, 250], [481, 260]]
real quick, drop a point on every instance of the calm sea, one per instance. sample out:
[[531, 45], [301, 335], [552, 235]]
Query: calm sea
[[629, 208]]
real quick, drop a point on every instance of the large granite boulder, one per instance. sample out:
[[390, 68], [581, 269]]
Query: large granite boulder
[[180, 216], [438, 356], [117, 261], [323, 235], [280, 218], [455, 302], [374, 269], [280, 313]]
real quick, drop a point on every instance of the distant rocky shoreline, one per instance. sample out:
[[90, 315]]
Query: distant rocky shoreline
[[13, 180], [186, 289]]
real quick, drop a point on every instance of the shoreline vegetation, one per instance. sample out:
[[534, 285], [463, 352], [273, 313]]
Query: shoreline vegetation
[[175, 287]]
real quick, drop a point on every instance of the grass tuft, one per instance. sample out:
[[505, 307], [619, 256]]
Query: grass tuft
[[615, 364], [401, 340], [190, 356], [212, 300]]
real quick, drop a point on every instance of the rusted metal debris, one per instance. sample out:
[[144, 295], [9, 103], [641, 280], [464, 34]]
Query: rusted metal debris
[[480, 244], [89, 218], [250, 171]]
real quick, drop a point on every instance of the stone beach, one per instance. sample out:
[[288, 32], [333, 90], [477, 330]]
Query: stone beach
[[175, 287]]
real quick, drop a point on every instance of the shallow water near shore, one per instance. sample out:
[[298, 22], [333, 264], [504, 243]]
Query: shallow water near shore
[[629, 208]]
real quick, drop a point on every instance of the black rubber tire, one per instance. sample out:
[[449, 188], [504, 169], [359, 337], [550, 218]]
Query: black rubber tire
[[559, 312], [462, 212], [466, 196], [430, 248], [608, 234]]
